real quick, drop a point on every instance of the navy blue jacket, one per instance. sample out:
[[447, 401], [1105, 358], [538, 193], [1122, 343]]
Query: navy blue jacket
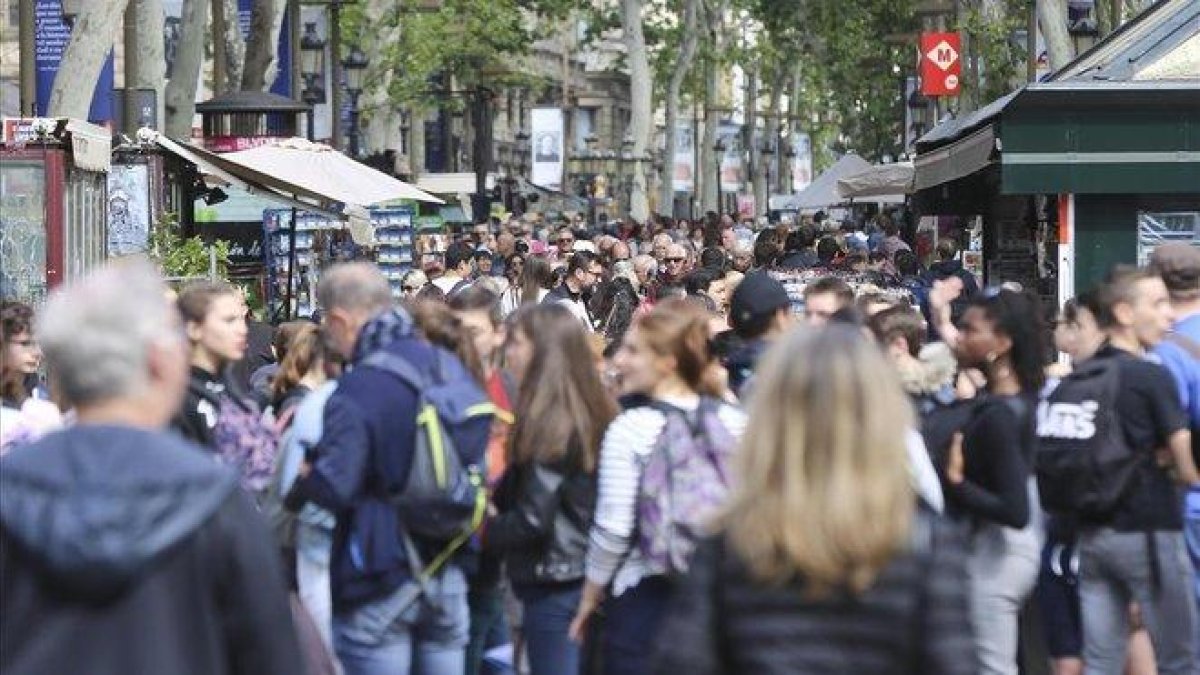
[[364, 455]]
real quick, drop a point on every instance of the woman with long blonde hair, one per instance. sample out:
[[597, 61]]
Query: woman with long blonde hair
[[822, 561]]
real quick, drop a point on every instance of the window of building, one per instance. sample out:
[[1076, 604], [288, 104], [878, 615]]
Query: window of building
[[1161, 228], [585, 125]]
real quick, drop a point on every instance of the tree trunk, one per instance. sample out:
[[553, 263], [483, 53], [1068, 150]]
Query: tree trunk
[[710, 162], [262, 46], [380, 121], [149, 71], [770, 166], [1052, 19], [189, 57], [641, 91], [229, 48], [91, 41], [751, 149], [683, 64], [794, 124]]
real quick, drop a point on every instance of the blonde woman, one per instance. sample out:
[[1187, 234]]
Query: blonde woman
[[822, 562]]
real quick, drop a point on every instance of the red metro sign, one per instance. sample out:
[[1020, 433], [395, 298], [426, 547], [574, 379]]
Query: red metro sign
[[941, 64]]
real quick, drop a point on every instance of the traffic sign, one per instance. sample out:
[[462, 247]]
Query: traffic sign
[[941, 64]]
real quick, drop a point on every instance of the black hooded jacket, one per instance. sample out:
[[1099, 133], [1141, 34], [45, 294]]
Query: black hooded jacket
[[131, 551]]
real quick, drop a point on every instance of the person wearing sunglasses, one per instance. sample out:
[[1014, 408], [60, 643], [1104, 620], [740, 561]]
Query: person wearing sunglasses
[[565, 240], [411, 283], [675, 263]]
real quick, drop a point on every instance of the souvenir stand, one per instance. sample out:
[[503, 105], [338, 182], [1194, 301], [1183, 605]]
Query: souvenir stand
[[320, 242]]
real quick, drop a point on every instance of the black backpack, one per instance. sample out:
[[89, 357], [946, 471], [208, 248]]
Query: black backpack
[[1085, 465]]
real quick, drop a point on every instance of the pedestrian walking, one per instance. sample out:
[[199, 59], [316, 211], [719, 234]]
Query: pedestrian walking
[[1135, 550], [301, 371], [546, 498], [123, 548], [359, 468], [675, 414], [793, 580], [1179, 266], [215, 322], [583, 274], [24, 416], [988, 476]]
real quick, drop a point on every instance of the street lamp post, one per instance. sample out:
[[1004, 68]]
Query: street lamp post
[[355, 66], [719, 151], [768, 153], [312, 72]]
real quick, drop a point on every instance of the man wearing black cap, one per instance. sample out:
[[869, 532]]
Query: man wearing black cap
[[759, 312]]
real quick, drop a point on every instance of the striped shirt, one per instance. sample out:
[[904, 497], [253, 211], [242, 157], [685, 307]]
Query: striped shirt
[[612, 553]]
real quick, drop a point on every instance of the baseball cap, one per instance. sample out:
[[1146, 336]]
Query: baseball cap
[[1179, 265], [758, 295]]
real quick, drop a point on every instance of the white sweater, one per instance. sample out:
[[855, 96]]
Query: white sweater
[[612, 552]]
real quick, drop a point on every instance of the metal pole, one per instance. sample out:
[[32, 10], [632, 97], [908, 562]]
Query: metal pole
[[291, 266], [1031, 43], [130, 112], [212, 263], [27, 47], [354, 124], [335, 53]]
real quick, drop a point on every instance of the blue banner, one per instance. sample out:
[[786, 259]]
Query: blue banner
[[51, 37]]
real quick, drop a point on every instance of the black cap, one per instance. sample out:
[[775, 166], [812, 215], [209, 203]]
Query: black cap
[[758, 295]]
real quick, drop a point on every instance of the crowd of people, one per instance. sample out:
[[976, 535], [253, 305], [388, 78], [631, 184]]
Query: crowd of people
[[708, 448]]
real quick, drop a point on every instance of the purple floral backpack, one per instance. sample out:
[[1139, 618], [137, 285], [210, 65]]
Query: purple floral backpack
[[247, 441], [685, 478]]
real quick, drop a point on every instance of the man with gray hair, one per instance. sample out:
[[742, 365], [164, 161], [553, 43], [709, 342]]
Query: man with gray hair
[[646, 269], [125, 548], [364, 457]]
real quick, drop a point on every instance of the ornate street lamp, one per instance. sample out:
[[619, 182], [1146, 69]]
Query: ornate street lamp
[[355, 66], [312, 72]]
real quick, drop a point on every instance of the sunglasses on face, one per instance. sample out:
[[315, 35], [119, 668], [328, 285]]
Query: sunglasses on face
[[566, 240], [675, 261], [411, 289]]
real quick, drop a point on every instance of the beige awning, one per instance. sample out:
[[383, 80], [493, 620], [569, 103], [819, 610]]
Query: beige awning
[[885, 182], [319, 169], [955, 160], [452, 183]]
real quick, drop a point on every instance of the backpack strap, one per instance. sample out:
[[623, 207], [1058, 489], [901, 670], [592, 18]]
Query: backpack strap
[[399, 367]]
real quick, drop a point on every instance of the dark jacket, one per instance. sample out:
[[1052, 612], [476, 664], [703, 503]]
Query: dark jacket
[[913, 620], [366, 450], [542, 529], [197, 417], [742, 363], [804, 259], [944, 269], [130, 551]]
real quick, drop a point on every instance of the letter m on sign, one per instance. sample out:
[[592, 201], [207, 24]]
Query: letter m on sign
[[941, 64]]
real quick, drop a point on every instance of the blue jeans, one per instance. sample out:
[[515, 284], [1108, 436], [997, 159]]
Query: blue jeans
[[1191, 535], [632, 620], [548, 611], [392, 637], [489, 628]]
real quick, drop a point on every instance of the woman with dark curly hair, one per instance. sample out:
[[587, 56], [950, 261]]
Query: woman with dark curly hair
[[988, 473]]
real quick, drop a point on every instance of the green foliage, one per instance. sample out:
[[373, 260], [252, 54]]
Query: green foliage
[[180, 257], [470, 42], [999, 59]]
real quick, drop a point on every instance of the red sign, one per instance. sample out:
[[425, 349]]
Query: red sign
[[941, 64], [235, 143]]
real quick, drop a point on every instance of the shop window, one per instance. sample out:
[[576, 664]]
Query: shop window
[[22, 230], [1161, 228]]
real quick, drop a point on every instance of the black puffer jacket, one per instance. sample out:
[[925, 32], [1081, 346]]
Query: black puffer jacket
[[542, 529], [130, 551], [912, 621]]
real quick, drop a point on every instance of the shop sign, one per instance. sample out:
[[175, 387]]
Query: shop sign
[[941, 64]]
